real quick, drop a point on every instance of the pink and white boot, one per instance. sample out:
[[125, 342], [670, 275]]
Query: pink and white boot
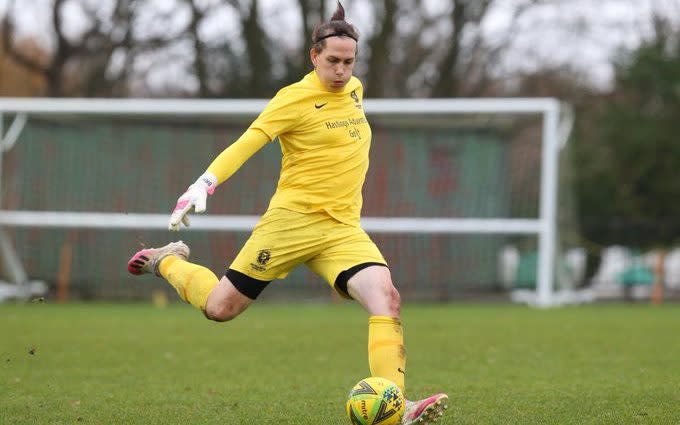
[[148, 260], [425, 411]]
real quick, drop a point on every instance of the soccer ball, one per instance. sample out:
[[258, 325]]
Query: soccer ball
[[375, 401]]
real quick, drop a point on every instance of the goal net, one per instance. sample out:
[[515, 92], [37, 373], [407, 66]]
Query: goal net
[[451, 186]]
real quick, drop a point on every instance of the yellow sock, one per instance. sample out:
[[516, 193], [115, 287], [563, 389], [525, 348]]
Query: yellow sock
[[192, 282], [386, 352]]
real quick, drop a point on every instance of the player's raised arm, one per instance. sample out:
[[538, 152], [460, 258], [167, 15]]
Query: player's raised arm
[[219, 170], [279, 116]]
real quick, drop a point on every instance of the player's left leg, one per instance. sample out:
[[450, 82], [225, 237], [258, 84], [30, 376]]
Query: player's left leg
[[369, 282], [372, 287]]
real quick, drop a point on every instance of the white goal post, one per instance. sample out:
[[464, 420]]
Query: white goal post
[[556, 126]]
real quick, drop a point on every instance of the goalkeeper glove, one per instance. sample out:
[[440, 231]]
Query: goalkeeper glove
[[195, 197]]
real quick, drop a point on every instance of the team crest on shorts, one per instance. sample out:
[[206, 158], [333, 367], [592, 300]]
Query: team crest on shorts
[[263, 257]]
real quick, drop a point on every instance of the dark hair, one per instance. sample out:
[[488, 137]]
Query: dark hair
[[336, 27]]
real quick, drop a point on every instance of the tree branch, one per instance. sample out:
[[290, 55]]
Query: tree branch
[[8, 47]]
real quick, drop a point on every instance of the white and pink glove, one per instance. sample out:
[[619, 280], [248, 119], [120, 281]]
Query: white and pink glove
[[195, 197]]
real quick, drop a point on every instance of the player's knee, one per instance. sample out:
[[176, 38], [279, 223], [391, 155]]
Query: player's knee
[[221, 313], [390, 294], [394, 301]]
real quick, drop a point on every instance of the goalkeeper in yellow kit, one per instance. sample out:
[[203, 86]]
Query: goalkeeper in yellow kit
[[312, 219]]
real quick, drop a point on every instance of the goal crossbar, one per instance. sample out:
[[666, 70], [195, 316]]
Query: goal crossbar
[[254, 106]]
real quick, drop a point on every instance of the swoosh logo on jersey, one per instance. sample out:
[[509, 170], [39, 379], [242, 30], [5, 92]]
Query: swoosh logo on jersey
[[320, 106]]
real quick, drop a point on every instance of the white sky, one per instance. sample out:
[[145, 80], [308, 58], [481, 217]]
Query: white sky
[[580, 34]]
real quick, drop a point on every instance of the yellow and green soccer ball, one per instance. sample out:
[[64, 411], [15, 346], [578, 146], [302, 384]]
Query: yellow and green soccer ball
[[375, 401]]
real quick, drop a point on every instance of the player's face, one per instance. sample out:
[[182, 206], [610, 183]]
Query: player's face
[[335, 64]]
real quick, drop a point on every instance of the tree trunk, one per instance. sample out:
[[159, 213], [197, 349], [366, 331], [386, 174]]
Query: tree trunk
[[199, 51], [447, 81], [378, 65], [258, 54]]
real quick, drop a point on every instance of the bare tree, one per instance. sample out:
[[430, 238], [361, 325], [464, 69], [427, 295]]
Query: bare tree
[[259, 60], [307, 14], [82, 66], [463, 13], [379, 45], [93, 46], [200, 67], [95, 64], [63, 51], [412, 48]]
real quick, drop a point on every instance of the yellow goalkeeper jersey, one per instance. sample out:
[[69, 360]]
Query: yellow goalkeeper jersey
[[325, 140]]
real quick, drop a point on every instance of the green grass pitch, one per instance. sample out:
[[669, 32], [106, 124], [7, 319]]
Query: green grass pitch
[[294, 364]]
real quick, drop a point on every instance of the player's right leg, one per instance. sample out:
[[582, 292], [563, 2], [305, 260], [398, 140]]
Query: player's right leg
[[279, 242], [225, 302], [195, 284], [148, 260]]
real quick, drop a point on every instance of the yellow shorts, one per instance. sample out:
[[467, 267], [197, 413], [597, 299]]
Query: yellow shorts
[[284, 239]]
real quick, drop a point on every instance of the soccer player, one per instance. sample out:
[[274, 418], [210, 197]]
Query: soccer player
[[312, 219]]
